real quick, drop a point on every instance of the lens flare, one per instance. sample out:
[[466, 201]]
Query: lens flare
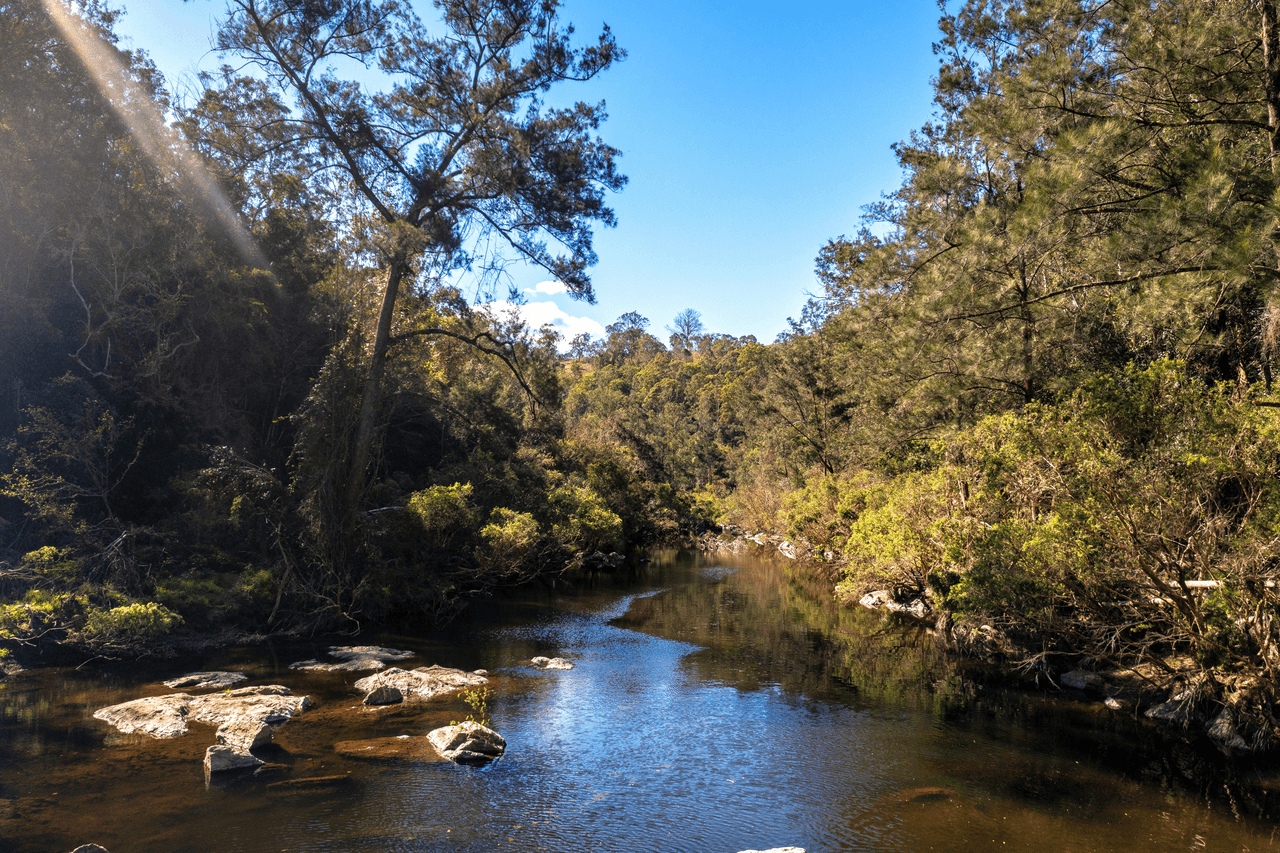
[[162, 145]]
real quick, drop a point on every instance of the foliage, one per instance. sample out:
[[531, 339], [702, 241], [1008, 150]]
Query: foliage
[[130, 625], [443, 512]]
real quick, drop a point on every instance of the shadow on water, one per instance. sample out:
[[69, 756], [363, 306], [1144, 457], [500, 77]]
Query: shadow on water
[[714, 706]]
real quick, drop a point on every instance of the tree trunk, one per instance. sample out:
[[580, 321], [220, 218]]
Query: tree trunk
[[371, 395]]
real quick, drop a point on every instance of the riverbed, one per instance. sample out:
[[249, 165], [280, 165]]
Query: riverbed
[[715, 706]]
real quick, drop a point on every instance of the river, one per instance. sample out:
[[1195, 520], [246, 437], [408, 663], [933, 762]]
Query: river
[[715, 706]]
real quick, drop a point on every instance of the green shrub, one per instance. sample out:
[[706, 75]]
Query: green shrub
[[130, 624], [583, 521], [444, 513], [507, 540]]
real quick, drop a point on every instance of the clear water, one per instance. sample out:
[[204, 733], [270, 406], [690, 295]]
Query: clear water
[[714, 706]]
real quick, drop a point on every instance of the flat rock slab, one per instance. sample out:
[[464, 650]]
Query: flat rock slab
[[167, 716], [402, 748], [207, 680], [550, 663], [354, 659], [424, 682], [468, 743]]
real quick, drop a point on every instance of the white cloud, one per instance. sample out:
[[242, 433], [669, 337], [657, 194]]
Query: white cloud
[[549, 287], [539, 314]]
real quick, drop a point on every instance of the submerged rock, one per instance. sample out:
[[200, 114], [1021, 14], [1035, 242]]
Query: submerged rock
[[244, 735], [882, 599], [468, 743], [220, 758], [354, 659], [167, 716], [550, 663], [400, 748], [424, 682], [207, 680], [90, 848]]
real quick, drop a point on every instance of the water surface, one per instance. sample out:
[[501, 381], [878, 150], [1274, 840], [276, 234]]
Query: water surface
[[715, 706]]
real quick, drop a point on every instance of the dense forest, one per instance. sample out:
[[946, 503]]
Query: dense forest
[[249, 383]]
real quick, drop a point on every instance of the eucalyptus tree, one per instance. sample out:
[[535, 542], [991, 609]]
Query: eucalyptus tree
[[456, 152]]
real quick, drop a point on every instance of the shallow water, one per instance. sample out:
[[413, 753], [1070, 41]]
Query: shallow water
[[714, 707]]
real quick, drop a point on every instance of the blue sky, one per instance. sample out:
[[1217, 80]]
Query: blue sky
[[751, 132]]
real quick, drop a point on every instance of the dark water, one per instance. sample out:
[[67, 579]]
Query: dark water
[[714, 707]]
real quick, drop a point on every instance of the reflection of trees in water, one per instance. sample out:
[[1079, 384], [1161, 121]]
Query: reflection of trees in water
[[763, 626]]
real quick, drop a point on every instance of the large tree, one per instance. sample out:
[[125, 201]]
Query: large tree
[[455, 154]]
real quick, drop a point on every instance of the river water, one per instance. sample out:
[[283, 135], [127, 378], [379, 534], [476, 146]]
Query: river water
[[715, 706]]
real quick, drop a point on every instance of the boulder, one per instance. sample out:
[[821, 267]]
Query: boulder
[[550, 663], [219, 759], [272, 704], [384, 694], [1079, 679], [207, 680], [468, 743], [90, 848], [167, 716], [882, 599], [244, 735], [354, 659], [158, 716], [424, 682]]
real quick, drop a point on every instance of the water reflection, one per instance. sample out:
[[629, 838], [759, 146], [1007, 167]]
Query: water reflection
[[713, 707]]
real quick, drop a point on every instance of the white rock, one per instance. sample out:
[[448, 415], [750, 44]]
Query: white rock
[[384, 695], [424, 682], [207, 680], [167, 716], [354, 659], [220, 758], [776, 850], [550, 663], [468, 743], [244, 735]]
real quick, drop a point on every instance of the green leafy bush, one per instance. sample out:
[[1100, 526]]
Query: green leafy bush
[[507, 540], [443, 512], [584, 521], [130, 624]]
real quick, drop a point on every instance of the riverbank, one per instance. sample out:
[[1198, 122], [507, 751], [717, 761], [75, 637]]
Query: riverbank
[[1189, 702]]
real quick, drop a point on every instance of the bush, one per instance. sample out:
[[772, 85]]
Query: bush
[[130, 625], [584, 521], [508, 539], [443, 512]]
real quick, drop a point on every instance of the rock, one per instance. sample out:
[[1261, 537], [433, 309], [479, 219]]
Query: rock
[[468, 743], [883, 599], [550, 663], [1117, 704], [244, 735], [776, 850], [354, 659], [425, 682], [90, 848], [167, 716], [787, 550], [875, 600], [1222, 731], [1079, 679], [159, 717], [272, 704], [219, 759], [207, 680], [384, 695], [401, 748]]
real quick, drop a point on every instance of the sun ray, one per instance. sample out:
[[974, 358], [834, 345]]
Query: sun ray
[[164, 146]]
